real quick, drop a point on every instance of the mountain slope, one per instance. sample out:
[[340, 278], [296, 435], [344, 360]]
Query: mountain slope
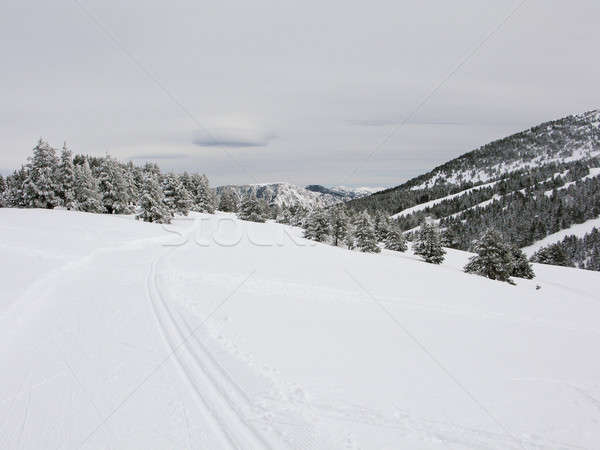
[[227, 334], [312, 196], [528, 185]]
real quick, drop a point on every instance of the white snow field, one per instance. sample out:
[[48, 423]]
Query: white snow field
[[578, 229], [214, 333]]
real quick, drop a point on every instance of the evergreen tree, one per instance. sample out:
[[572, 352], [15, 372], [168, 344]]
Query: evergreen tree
[[14, 196], [428, 244], [40, 187], [298, 215], [553, 254], [395, 240], [176, 195], [284, 216], [203, 198], [86, 192], [153, 206], [113, 187], [364, 234], [349, 241], [2, 192], [251, 210], [66, 178], [339, 226], [382, 226], [317, 226], [521, 266], [494, 258], [134, 180], [229, 201]]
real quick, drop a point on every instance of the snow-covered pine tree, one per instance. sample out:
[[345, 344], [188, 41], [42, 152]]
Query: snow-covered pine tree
[[317, 226], [553, 254], [382, 226], [14, 196], [40, 187], [153, 206], [229, 201], [284, 216], [134, 179], [176, 195], [251, 209], [349, 241], [113, 187], [521, 266], [266, 210], [339, 226], [86, 190], [494, 258], [428, 244], [364, 234], [299, 214], [395, 240], [2, 191], [186, 179], [203, 197], [66, 178]]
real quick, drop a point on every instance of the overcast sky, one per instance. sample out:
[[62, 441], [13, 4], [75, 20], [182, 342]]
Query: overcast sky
[[299, 91]]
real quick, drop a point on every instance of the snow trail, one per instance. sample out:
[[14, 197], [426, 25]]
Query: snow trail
[[222, 412]]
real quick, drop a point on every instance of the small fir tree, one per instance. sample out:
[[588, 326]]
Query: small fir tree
[[14, 195], [395, 240], [382, 226], [66, 178], [521, 266], [494, 258], [86, 192], [284, 216], [2, 191], [203, 197], [177, 198], [317, 227], [339, 226], [364, 234], [40, 187], [251, 210], [229, 201], [428, 244], [553, 254], [113, 187], [153, 206]]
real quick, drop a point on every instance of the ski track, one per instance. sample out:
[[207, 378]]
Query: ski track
[[233, 429]]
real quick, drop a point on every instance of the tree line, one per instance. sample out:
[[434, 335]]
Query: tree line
[[103, 185]]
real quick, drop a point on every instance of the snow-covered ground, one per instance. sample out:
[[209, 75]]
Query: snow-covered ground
[[429, 204], [579, 230], [215, 333]]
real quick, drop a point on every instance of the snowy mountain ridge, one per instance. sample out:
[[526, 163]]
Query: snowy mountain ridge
[[312, 196], [529, 185]]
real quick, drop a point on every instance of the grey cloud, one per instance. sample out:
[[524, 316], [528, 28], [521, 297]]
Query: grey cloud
[[220, 142], [233, 138]]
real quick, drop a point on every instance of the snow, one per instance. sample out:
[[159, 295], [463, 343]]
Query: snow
[[429, 204], [294, 345], [360, 191], [594, 172], [578, 230], [281, 194]]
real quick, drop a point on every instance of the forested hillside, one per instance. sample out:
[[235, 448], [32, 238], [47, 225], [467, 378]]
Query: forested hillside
[[528, 186]]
